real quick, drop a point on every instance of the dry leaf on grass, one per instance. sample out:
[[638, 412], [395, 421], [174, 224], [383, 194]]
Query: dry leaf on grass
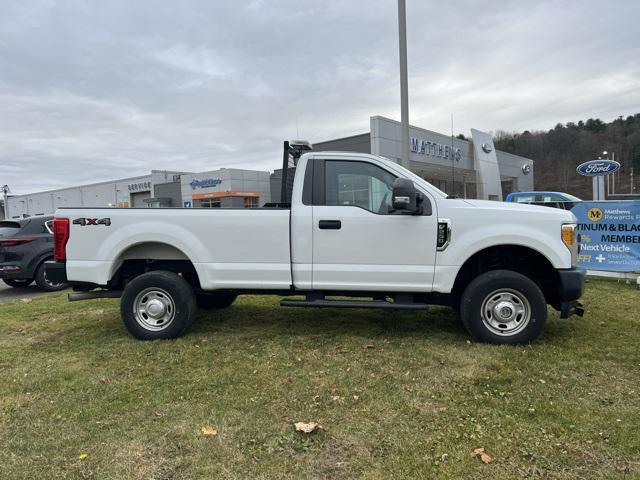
[[482, 455], [307, 427], [26, 300], [104, 380], [486, 458], [82, 456], [208, 431]]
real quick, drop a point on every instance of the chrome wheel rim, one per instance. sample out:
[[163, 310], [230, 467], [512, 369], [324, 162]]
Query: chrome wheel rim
[[154, 309], [505, 312]]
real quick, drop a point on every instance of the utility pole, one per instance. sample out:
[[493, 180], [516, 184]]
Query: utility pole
[[5, 194], [404, 83]]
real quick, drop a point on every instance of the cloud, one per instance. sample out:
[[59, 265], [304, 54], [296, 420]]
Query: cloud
[[96, 91]]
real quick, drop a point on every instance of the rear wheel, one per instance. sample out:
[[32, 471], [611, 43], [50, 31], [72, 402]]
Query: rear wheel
[[503, 307], [18, 283], [209, 301], [158, 305], [44, 283]]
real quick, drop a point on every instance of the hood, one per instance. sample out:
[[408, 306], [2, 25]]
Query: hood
[[504, 207]]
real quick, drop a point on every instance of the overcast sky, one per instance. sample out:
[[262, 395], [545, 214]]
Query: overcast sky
[[93, 91]]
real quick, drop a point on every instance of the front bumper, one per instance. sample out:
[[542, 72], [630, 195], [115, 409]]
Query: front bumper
[[571, 288], [56, 271], [571, 283]]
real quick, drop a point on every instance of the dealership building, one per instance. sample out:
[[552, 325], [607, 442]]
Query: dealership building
[[225, 187], [466, 168]]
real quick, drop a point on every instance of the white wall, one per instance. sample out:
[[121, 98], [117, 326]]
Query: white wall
[[96, 195]]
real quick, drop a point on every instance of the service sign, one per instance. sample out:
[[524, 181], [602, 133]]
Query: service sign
[[609, 235], [139, 187], [595, 168]]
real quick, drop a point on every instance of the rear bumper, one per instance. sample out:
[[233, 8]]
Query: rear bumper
[[12, 271], [56, 271]]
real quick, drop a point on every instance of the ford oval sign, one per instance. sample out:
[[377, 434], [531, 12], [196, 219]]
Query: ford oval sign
[[595, 168]]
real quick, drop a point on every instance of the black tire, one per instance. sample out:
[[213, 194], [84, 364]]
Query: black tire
[[494, 301], [43, 282], [15, 283], [209, 301], [170, 315]]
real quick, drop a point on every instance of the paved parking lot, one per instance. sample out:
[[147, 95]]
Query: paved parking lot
[[10, 293]]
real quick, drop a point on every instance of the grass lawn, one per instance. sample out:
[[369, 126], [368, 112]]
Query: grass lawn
[[400, 395]]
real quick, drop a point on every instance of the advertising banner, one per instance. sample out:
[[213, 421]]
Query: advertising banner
[[610, 235]]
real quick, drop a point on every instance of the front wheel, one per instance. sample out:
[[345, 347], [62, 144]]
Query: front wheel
[[503, 307], [157, 305], [12, 282]]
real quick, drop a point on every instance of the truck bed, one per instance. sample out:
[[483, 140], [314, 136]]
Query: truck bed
[[229, 248]]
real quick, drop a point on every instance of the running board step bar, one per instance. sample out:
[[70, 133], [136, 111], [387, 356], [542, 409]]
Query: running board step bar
[[93, 295], [322, 303]]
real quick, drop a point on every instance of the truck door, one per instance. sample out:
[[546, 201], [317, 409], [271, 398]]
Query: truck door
[[358, 242]]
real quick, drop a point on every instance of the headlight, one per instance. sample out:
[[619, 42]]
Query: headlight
[[570, 239], [570, 234]]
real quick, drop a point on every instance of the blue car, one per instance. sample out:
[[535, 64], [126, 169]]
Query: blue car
[[547, 199]]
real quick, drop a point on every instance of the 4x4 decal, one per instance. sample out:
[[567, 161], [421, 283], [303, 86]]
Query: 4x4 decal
[[92, 221]]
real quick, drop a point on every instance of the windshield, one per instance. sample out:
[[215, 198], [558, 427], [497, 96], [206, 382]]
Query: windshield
[[411, 175], [571, 198]]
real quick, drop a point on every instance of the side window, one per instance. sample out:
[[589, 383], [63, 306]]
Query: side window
[[358, 184]]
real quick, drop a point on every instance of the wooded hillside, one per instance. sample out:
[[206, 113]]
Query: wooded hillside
[[560, 150]]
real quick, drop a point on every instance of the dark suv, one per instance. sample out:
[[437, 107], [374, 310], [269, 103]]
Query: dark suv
[[24, 247]]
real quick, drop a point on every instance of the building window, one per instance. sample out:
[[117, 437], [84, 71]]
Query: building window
[[210, 203], [250, 202]]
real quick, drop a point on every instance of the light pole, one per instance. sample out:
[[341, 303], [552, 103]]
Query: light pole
[[611, 184], [404, 83]]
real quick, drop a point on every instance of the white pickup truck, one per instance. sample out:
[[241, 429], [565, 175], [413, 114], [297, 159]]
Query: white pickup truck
[[359, 227]]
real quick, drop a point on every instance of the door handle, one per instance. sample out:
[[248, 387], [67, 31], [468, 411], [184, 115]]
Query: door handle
[[330, 224]]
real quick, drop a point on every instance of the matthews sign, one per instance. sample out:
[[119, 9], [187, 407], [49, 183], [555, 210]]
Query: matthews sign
[[609, 235], [426, 147]]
